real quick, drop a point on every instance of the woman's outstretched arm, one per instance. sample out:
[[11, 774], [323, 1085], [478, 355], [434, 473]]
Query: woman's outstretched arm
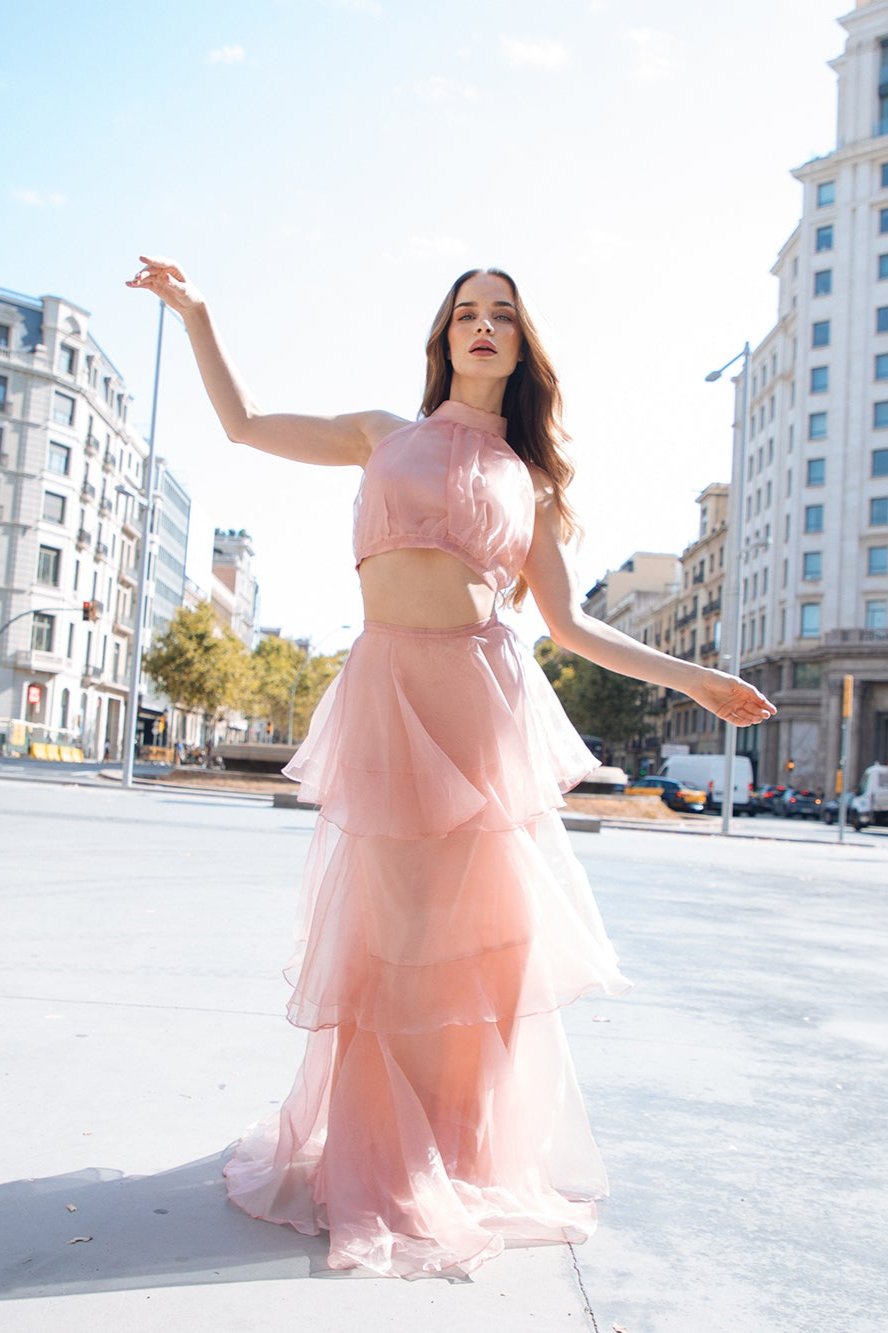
[[335, 441], [552, 581]]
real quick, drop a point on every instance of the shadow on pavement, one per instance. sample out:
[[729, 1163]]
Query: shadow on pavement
[[175, 1228]]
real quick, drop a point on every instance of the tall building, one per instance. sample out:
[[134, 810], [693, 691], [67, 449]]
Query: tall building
[[813, 569], [235, 588], [71, 470]]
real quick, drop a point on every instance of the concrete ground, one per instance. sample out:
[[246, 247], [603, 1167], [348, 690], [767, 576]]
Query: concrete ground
[[737, 1093]]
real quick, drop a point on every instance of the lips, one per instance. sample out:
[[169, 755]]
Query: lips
[[483, 347]]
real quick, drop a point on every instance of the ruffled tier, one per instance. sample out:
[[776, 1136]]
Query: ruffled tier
[[426, 731], [410, 936], [424, 1154]]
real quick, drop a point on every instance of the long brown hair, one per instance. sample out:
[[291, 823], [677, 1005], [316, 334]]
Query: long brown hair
[[532, 403]]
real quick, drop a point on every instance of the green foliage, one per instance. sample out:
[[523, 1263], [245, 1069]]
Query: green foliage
[[598, 702], [283, 672], [199, 664]]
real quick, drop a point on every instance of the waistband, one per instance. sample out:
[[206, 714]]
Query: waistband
[[422, 632]]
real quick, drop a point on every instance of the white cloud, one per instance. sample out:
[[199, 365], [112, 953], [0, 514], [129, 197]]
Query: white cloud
[[440, 89], [34, 199], [657, 54], [544, 53], [598, 6], [227, 55], [435, 247]]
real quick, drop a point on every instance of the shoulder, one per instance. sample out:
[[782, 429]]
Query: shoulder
[[543, 486]]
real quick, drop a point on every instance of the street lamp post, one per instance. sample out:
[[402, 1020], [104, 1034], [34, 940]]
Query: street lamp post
[[731, 650], [132, 711]]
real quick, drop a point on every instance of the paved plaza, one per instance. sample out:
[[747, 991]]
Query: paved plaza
[[737, 1093]]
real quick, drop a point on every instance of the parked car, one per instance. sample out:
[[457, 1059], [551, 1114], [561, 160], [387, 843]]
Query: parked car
[[798, 803], [675, 794], [707, 772], [829, 812], [764, 798]]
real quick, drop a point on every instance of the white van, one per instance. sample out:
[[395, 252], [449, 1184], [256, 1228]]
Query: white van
[[869, 804], [707, 772]]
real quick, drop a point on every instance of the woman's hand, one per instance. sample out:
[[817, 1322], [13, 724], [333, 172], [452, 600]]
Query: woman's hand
[[168, 282], [730, 698]]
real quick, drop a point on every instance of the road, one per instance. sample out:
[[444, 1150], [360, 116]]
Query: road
[[737, 1093]]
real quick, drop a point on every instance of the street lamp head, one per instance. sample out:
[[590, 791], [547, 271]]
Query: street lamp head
[[713, 376]]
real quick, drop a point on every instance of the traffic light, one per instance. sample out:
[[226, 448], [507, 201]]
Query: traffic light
[[790, 765], [90, 610]]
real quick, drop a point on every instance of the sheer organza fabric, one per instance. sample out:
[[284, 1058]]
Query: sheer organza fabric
[[436, 1116]]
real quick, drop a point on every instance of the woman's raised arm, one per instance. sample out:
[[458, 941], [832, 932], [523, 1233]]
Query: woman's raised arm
[[334, 441], [551, 579]]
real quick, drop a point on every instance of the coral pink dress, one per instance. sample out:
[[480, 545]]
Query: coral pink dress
[[436, 1116]]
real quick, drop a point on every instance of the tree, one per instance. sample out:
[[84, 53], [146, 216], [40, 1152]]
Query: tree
[[598, 702], [200, 664], [284, 675]]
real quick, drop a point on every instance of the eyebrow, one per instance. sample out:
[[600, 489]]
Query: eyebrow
[[460, 304]]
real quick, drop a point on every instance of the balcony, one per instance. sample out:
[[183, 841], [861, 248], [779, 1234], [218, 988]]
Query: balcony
[[91, 446], [854, 637], [697, 577], [37, 659], [101, 551], [128, 575], [686, 620], [708, 649], [124, 625], [87, 492], [109, 461], [84, 538], [710, 608], [130, 527], [106, 507], [92, 672]]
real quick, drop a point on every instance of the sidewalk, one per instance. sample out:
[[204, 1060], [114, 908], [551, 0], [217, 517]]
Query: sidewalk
[[737, 1093]]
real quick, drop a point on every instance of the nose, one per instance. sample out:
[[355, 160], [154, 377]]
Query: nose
[[484, 324]]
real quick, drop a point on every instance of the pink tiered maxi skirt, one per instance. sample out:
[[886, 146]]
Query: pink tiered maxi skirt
[[436, 1116]]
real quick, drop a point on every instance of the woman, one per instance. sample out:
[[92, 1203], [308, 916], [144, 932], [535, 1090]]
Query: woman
[[436, 1116]]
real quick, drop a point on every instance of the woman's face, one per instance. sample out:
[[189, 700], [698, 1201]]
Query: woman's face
[[484, 337]]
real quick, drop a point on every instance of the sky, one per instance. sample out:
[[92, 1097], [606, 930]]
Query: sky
[[323, 170]]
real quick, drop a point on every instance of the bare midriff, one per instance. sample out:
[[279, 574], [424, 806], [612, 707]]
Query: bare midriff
[[425, 589]]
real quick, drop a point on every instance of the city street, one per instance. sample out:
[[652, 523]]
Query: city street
[[737, 1093]]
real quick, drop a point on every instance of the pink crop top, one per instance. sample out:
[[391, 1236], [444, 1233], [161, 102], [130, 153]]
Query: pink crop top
[[450, 482]]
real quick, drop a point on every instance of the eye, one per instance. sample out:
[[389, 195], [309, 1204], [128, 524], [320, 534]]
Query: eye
[[466, 314], [508, 318]]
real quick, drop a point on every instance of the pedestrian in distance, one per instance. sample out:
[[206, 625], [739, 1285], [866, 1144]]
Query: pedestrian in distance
[[436, 1116]]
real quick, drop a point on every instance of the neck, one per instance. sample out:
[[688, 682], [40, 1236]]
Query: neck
[[486, 395]]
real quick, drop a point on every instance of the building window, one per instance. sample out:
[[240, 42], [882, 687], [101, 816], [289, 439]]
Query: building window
[[63, 409], [876, 615], [878, 515], [4, 335], [806, 675], [816, 425], [812, 565], [883, 267], [883, 220], [877, 560], [882, 366], [880, 462], [823, 282], [882, 319], [813, 518], [768, 493], [824, 238], [883, 87], [53, 507], [48, 562], [42, 632], [67, 359], [815, 472], [820, 379], [810, 621], [820, 331], [880, 415], [826, 194], [4, 387], [59, 459]]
